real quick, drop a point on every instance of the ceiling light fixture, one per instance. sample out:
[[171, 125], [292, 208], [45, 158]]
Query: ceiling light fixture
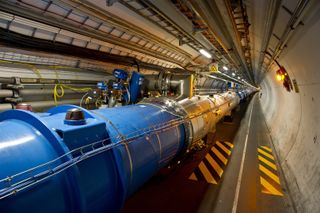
[[233, 74], [205, 53], [225, 68]]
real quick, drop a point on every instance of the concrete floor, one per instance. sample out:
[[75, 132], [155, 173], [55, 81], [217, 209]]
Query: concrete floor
[[246, 175]]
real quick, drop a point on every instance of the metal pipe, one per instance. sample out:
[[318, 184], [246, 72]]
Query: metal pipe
[[6, 80], [91, 33], [45, 104], [90, 8], [202, 91], [5, 107], [192, 42], [5, 93], [151, 82], [34, 92], [16, 40], [290, 28], [182, 84]]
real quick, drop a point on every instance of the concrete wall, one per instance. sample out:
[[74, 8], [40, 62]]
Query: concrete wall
[[294, 118]]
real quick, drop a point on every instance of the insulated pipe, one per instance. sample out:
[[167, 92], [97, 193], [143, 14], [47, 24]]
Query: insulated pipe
[[91, 161], [45, 104], [215, 107], [4, 80], [39, 105], [4, 93], [33, 92], [4, 107]]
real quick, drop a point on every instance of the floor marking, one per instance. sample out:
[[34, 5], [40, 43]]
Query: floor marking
[[206, 173], [223, 148], [269, 173], [267, 162], [212, 166], [271, 189], [269, 179], [219, 155], [266, 148], [193, 177], [229, 144], [236, 197], [265, 154]]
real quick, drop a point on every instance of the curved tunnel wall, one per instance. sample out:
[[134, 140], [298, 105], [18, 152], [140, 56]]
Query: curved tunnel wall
[[294, 118]]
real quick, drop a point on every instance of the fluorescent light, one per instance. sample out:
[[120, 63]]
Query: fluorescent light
[[225, 68], [205, 53], [233, 74], [239, 78]]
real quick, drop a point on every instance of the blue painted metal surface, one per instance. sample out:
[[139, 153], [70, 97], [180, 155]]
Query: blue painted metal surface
[[117, 86], [97, 184], [102, 85], [242, 95], [135, 86], [120, 74]]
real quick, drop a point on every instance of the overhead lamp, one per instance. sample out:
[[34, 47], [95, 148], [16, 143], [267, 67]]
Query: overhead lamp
[[205, 53], [238, 77], [279, 77], [233, 74], [225, 68]]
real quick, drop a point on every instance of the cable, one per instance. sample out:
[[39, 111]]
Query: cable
[[98, 102], [137, 64], [128, 93], [81, 101], [61, 87]]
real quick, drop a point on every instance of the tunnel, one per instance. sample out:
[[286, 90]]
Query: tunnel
[[159, 106]]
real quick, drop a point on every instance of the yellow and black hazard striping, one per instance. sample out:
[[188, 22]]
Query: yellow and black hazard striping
[[212, 166], [269, 179]]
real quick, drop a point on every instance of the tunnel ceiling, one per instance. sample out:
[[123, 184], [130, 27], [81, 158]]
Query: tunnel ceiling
[[244, 36]]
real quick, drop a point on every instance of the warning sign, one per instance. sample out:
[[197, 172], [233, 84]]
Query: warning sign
[[213, 67]]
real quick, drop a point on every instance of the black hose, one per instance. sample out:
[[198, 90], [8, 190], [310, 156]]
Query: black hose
[[137, 64]]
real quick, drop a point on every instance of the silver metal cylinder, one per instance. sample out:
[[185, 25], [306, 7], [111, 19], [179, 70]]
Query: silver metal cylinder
[[165, 81], [4, 107], [201, 113], [205, 112], [5, 93], [33, 92], [45, 104]]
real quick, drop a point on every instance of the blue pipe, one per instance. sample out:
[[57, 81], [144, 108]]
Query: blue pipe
[[125, 155]]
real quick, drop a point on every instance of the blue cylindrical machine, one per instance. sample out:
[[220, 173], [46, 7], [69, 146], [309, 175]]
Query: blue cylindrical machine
[[243, 94], [51, 162], [100, 183]]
